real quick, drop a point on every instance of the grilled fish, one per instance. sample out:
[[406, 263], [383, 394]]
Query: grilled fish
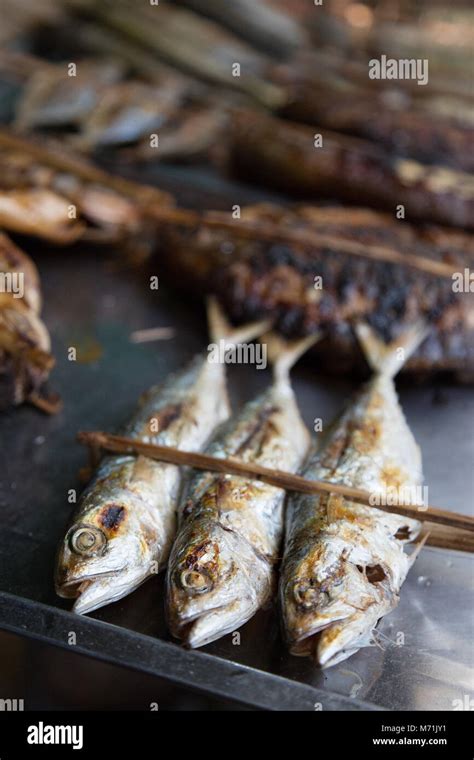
[[283, 154], [191, 43], [266, 27], [125, 523], [344, 563], [266, 276], [222, 565], [25, 345], [423, 129], [41, 187]]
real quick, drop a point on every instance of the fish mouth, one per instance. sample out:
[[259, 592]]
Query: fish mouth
[[339, 636], [94, 591], [201, 628], [306, 643], [322, 654], [73, 586]]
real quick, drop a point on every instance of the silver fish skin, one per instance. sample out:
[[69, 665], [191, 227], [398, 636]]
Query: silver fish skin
[[126, 519], [222, 565], [344, 563]]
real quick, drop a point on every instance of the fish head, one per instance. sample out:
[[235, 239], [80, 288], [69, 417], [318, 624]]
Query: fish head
[[212, 582], [103, 556], [311, 592]]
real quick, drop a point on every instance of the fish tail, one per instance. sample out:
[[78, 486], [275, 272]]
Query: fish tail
[[221, 329], [283, 354], [388, 358]]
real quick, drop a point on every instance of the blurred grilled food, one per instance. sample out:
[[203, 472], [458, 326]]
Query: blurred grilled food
[[25, 346]]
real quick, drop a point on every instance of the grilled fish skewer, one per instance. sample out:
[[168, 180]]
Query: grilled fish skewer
[[283, 153], [344, 564], [221, 569], [59, 196], [125, 524], [268, 274]]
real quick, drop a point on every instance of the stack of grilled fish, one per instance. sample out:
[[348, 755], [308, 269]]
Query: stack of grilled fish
[[220, 535]]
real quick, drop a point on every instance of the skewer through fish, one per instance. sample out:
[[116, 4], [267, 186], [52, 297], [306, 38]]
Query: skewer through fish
[[270, 274], [222, 565], [344, 564], [125, 524]]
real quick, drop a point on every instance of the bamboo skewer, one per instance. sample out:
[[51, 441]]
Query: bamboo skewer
[[122, 445], [157, 205], [78, 166], [276, 234], [445, 537]]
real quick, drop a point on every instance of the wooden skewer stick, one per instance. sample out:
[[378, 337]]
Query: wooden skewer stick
[[66, 161], [122, 445], [445, 537], [158, 205], [278, 234]]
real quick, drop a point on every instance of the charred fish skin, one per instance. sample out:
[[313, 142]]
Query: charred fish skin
[[262, 278], [222, 565], [125, 524], [282, 153], [126, 518], [419, 129], [344, 564]]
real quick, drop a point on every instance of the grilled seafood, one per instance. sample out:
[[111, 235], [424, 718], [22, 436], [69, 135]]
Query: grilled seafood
[[189, 42], [344, 564], [122, 531], [107, 110], [55, 195], [261, 275], [268, 28], [432, 131], [283, 153], [222, 566], [25, 346]]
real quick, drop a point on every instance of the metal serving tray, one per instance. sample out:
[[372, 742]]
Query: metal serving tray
[[93, 303]]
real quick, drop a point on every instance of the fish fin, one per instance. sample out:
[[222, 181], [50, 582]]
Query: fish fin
[[221, 329], [388, 358], [419, 546], [283, 354]]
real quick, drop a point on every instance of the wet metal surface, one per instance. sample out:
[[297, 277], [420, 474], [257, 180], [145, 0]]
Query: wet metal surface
[[423, 657]]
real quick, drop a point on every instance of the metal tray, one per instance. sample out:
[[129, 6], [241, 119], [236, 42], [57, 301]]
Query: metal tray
[[93, 303]]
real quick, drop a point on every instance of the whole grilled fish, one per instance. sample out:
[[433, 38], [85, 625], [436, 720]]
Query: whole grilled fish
[[262, 276], [282, 154], [125, 523], [222, 565], [344, 563]]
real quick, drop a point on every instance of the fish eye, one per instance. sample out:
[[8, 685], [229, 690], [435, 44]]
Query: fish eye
[[306, 595], [87, 540], [195, 582]]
